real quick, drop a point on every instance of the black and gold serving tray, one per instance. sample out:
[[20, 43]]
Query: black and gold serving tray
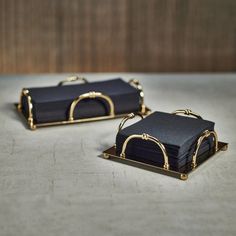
[[32, 124], [166, 169]]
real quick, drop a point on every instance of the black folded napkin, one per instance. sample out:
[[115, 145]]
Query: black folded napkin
[[177, 133], [53, 103]]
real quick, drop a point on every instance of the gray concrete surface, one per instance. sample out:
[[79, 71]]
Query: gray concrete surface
[[52, 181]]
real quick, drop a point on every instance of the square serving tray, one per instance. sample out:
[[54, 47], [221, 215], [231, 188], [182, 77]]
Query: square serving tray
[[110, 154]]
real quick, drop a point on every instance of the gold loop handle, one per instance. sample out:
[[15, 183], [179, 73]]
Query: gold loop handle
[[187, 112], [91, 95], [25, 92], [146, 137], [205, 135], [135, 83], [128, 117], [72, 79]]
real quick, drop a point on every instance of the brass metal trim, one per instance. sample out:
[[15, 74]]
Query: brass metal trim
[[187, 112], [146, 137], [30, 119], [128, 117], [91, 95], [205, 135], [135, 83], [72, 79]]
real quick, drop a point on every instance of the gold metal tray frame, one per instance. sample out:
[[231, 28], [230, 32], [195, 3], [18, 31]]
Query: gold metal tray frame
[[166, 169], [90, 95]]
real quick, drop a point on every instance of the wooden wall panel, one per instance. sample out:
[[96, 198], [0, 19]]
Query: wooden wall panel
[[125, 35], [59, 36], [196, 35]]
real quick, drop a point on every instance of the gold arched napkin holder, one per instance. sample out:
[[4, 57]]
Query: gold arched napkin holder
[[166, 169], [90, 95]]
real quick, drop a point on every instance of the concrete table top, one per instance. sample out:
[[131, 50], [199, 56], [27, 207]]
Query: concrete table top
[[52, 181]]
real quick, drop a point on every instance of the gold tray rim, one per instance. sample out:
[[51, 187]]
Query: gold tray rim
[[109, 154], [84, 120]]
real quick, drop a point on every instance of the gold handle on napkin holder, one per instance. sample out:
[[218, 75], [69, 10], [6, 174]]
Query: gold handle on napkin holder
[[187, 112], [72, 79], [146, 137], [135, 83], [204, 135], [91, 95], [30, 119], [128, 117]]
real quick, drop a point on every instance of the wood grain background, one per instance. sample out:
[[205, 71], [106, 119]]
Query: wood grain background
[[112, 36]]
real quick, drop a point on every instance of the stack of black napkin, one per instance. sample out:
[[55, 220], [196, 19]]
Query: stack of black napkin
[[52, 103], [178, 134]]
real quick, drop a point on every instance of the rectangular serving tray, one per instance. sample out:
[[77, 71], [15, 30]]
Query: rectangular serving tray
[[110, 153]]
